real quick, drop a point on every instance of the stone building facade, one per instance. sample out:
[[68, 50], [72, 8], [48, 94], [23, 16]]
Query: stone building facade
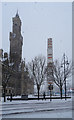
[[16, 42], [23, 84]]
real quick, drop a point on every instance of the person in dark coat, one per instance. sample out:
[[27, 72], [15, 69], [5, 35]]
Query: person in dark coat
[[11, 97], [44, 95]]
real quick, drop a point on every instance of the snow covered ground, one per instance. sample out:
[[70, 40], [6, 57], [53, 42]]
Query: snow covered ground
[[37, 109]]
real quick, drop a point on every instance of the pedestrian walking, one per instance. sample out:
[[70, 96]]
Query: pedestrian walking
[[44, 95], [11, 97]]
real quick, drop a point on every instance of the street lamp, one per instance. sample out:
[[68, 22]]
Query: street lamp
[[65, 62]]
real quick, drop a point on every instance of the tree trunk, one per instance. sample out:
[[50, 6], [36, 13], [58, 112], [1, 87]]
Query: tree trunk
[[38, 93], [61, 92], [38, 88], [4, 94], [65, 89]]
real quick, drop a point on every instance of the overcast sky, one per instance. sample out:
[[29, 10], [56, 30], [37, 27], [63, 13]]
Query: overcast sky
[[40, 21]]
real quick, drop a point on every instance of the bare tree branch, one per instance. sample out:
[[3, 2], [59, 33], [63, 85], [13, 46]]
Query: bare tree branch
[[37, 70]]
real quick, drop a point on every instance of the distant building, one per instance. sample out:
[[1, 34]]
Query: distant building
[[50, 64], [49, 51]]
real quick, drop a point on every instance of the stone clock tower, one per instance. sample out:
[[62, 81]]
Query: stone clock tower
[[16, 42], [20, 80]]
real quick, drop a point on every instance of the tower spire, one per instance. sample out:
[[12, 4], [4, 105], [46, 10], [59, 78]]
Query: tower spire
[[17, 15]]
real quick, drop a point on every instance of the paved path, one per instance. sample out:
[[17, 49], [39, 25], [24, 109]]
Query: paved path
[[39, 109]]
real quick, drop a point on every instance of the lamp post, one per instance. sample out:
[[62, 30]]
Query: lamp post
[[50, 87], [65, 59]]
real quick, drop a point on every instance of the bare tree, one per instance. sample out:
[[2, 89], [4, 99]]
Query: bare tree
[[37, 71], [67, 69], [6, 74], [59, 75]]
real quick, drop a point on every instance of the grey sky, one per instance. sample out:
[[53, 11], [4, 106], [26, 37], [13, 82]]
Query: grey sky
[[39, 22]]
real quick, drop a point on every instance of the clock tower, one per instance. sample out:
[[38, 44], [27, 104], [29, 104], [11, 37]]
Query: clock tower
[[16, 42]]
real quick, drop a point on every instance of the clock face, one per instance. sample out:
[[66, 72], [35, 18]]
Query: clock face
[[14, 35], [15, 24]]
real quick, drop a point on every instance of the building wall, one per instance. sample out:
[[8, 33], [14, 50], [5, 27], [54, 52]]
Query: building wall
[[16, 42], [0, 79], [1, 56]]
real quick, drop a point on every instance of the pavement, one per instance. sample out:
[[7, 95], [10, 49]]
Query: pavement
[[37, 109]]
